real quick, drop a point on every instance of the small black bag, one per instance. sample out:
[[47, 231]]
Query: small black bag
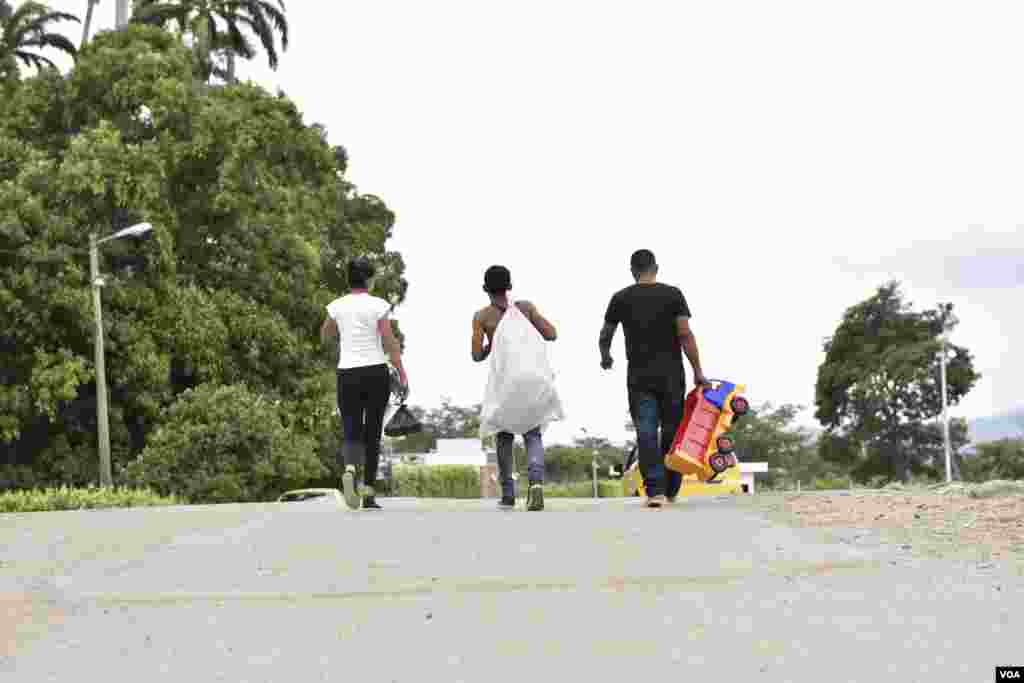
[[402, 423]]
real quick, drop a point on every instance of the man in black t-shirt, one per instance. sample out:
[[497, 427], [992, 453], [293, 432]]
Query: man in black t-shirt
[[656, 321]]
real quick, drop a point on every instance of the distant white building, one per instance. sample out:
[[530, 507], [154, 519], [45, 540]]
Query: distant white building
[[449, 452], [457, 452]]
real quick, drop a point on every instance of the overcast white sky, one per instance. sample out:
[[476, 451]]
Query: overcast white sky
[[781, 159]]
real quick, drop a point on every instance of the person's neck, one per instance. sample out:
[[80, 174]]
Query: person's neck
[[360, 290], [500, 301], [647, 280]]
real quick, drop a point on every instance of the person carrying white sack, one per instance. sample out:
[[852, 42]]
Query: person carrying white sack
[[521, 397]]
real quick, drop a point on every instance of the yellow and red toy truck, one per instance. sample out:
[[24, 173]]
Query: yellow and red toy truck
[[703, 448]]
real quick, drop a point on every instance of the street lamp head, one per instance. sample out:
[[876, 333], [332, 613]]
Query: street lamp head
[[137, 229]]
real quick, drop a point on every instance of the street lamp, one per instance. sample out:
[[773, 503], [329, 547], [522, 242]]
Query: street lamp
[[106, 480], [593, 461], [944, 338]]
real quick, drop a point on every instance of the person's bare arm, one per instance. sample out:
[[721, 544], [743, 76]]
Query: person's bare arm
[[542, 325], [392, 347], [329, 330], [478, 349], [604, 343], [688, 342]]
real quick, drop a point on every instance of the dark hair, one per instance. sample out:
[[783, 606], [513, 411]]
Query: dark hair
[[360, 270], [497, 280], [642, 261]]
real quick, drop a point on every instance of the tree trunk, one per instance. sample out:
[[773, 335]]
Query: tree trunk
[[902, 461], [87, 24], [231, 67]]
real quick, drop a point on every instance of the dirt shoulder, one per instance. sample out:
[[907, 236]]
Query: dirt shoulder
[[982, 523]]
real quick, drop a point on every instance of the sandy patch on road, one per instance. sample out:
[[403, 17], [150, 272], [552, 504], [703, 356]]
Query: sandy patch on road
[[936, 524], [24, 617]]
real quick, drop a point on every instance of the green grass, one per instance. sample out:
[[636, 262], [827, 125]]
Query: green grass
[[578, 489], [67, 498]]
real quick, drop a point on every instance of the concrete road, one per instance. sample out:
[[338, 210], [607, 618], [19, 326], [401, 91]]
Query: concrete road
[[459, 591]]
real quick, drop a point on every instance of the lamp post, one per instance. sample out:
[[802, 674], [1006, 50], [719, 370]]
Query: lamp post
[[944, 338], [593, 456], [103, 425]]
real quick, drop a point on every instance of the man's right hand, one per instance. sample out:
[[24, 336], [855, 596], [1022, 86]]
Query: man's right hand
[[606, 363]]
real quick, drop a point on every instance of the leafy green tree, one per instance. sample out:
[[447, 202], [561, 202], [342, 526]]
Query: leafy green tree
[[1003, 459], [454, 422], [25, 31], [880, 380], [246, 200], [221, 26], [768, 434]]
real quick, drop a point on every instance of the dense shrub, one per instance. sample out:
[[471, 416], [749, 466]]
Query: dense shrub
[[225, 444], [997, 488], [1003, 459], [582, 489], [65, 498], [436, 481]]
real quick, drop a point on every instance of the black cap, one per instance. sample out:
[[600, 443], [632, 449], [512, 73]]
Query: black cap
[[497, 279], [642, 260]]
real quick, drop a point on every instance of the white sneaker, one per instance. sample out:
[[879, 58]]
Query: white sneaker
[[348, 486]]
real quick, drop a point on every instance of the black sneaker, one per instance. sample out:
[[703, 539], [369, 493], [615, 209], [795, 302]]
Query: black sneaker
[[535, 497], [370, 503], [507, 502]]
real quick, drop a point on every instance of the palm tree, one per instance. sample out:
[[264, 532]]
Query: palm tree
[[90, 5], [24, 31], [218, 25]]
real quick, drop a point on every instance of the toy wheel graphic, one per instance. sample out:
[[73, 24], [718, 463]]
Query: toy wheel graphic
[[739, 405], [719, 463], [725, 445]]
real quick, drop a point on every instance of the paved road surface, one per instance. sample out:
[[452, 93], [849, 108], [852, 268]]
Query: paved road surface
[[459, 591]]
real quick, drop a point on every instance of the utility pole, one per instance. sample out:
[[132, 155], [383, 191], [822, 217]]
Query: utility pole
[[106, 480], [945, 415]]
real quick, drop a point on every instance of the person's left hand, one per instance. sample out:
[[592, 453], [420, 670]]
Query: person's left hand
[[606, 363], [700, 380]]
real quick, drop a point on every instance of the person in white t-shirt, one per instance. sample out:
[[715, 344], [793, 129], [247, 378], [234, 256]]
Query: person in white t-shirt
[[366, 341]]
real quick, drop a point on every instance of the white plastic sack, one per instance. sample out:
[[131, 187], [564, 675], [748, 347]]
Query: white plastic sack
[[521, 390]]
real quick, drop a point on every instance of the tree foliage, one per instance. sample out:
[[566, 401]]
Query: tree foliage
[[25, 31], [879, 383], [220, 26], [223, 444], [1003, 459], [449, 421], [251, 216], [768, 433]]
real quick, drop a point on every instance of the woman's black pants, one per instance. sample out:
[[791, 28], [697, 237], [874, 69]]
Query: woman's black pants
[[363, 395]]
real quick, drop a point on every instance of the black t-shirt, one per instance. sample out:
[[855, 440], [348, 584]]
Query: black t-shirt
[[647, 313]]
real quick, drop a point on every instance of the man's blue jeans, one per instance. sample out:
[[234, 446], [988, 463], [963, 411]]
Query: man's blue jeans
[[651, 410], [534, 460]]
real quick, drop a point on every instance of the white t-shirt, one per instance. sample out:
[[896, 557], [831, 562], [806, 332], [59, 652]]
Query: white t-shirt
[[359, 341]]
